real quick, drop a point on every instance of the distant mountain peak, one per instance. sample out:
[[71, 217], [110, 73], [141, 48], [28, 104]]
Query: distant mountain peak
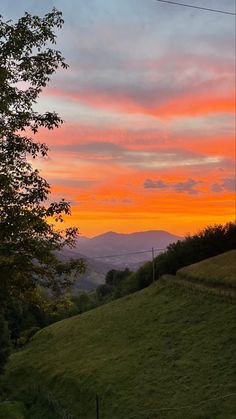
[[107, 234], [112, 250]]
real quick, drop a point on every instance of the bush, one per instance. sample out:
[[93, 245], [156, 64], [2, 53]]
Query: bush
[[26, 336], [103, 290], [209, 242], [82, 302], [4, 343]]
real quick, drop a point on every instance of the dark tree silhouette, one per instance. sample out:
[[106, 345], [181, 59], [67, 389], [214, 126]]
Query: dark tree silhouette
[[28, 240]]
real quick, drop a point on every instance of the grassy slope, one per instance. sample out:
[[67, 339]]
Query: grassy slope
[[11, 410], [163, 347], [219, 270]]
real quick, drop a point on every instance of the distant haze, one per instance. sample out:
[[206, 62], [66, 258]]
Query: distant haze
[[117, 251], [107, 244]]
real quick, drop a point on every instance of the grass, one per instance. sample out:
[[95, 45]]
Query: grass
[[11, 410], [217, 271], [163, 352]]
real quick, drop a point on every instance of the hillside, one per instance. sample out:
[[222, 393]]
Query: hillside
[[163, 352], [12, 410], [216, 271]]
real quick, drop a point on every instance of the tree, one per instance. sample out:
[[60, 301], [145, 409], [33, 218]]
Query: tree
[[115, 276], [28, 240], [103, 291], [4, 342]]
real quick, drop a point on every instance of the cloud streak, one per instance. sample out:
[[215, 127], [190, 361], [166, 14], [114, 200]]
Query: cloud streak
[[228, 184], [109, 153], [187, 186], [149, 106]]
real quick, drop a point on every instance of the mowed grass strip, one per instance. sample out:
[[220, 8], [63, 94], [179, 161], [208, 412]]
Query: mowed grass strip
[[152, 354], [197, 286], [216, 271]]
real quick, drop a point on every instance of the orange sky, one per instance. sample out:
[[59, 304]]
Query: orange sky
[[149, 105]]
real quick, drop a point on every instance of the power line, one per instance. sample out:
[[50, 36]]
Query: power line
[[128, 253], [197, 7]]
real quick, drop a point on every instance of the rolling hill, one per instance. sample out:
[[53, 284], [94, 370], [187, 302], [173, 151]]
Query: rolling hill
[[163, 352], [216, 271]]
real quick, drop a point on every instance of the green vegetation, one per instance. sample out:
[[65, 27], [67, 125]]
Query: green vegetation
[[28, 234], [12, 410], [211, 241], [4, 342], [217, 271], [164, 352]]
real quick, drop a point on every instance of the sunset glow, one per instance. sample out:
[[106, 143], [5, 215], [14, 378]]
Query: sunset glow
[[149, 108]]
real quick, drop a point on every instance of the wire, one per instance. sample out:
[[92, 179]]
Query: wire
[[128, 253], [197, 7]]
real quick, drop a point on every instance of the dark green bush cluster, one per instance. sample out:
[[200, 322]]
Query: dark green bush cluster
[[22, 317], [114, 281], [4, 342], [209, 242]]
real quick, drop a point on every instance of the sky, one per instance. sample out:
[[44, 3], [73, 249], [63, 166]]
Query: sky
[[149, 104]]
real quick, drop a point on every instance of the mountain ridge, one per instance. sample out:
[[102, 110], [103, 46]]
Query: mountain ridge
[[138, 240], [134, 233], [113, 250]]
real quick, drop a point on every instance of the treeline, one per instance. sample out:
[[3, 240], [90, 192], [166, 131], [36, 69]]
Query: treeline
[[209, 242], [25, 319]]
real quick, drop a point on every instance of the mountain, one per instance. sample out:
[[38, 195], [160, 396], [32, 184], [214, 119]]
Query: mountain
[[116, 251], [122, 245]]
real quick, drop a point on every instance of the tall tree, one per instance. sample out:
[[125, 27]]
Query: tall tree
[[28, 240]]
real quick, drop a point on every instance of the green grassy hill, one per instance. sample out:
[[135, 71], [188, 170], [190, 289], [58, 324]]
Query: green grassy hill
[[12, 410], [217, 271], [163, 352]]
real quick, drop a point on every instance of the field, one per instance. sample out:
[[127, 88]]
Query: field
[[217, 271], [163, 352]]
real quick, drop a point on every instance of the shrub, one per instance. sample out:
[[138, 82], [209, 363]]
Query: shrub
[[209, 242]]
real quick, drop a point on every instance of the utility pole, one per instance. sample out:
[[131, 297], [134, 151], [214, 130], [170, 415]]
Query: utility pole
[[153, 265]]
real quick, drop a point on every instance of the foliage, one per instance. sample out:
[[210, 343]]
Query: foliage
[[113, 283], [211, 241], [103, 291], [4, 342], [23, 315], [115, 276], [28, 240], [82, 301]]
